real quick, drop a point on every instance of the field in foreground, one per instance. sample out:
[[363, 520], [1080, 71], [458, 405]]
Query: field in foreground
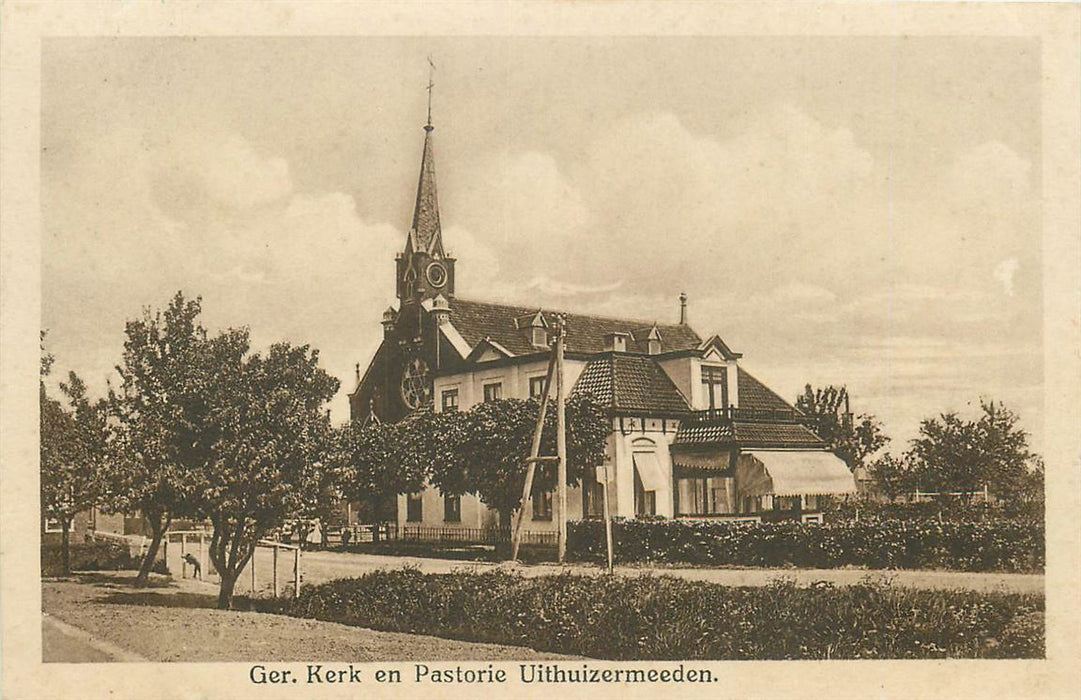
[[177, 622]]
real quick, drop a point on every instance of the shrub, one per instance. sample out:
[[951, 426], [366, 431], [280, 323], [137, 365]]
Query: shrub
[[994, 545], [1020, 512], [661, 617], [92, 556]]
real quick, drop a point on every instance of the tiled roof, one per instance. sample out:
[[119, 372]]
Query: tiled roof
[[754, 395], [704, 433], [630, 383], [775, 435], [477, 320], [746, 434]]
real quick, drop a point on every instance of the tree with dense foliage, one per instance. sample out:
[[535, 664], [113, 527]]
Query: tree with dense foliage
[[162, 433], [852, 441], [273, 441], [373, 468], [954, 454], [483, 450], [72, 449], [892, 476]]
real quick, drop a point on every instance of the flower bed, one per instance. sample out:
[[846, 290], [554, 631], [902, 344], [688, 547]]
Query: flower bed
[[667, 618], [993, 545]]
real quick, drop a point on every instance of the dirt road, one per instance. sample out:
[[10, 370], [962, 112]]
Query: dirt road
[[102, 618]]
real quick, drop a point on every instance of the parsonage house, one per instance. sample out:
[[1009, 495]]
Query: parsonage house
[[694, 434]]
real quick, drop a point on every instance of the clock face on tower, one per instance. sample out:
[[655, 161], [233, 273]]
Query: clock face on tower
[[416, 387], [436, 274]]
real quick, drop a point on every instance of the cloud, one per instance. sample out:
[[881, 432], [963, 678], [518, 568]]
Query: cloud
[[789, 237], [206, 213]]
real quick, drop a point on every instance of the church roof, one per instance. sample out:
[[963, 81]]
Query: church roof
[[631, 383], [478, 320], [425, 234]]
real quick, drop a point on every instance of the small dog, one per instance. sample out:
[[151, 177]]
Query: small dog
[[195, 565]]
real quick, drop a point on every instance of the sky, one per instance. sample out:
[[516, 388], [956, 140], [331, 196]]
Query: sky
[[857, 211]]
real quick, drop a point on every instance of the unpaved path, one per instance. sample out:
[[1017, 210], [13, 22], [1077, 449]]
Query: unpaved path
[[177, 622], [322, 566], [318, 567]]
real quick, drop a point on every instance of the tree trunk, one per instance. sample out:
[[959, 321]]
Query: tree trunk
[[158, 530], [65, 540], [231, 548], [225, 592], [503, 543]]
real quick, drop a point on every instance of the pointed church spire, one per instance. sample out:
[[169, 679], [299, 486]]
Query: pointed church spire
[[423, 269], [425, 233]]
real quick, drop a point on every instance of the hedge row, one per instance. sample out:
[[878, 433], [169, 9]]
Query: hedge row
[[994, 545], [955, 510], [91, 556], [668, 618]]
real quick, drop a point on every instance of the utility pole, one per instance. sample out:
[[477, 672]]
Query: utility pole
[[534, 457], [561, 439], [602, 474]]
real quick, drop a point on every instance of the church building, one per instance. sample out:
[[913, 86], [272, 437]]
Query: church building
[[694, 434]]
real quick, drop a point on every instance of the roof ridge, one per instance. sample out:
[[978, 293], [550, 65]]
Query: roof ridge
[[622, 319]]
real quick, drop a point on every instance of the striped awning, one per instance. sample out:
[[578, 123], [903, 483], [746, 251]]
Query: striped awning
[[792, 473], [712, 461], [649, 471]]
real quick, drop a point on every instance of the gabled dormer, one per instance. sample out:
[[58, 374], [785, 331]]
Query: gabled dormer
[[488, 350], [537, 326]]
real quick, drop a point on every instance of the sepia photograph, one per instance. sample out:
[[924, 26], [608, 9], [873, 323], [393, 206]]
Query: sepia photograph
[[537, 359]]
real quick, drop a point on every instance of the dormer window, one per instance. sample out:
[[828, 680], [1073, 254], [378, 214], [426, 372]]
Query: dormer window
[[538, 328], [715, 384], [653, 341], [616, 342]]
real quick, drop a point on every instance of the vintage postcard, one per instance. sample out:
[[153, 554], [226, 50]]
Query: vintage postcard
[[689, 350]]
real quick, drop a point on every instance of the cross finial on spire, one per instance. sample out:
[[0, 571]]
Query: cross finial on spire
[[431, 70]]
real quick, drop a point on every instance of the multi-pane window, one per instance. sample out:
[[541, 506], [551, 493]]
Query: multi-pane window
[[542, 506], [645, 502], [536, 386], [493, 392], [715, 384], [413, 508], [450, 399], [452, 508], [700, 495], [593, 499]]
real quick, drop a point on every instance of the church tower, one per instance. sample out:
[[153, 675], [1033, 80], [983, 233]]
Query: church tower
[[423, 269]]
